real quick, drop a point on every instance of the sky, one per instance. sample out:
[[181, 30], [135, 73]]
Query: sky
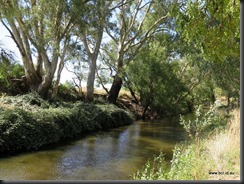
[[7, 42]]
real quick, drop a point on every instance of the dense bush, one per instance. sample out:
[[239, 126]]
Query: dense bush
[[68, 92], [204, 122], [30, 101], [11, 73], [30, 130]]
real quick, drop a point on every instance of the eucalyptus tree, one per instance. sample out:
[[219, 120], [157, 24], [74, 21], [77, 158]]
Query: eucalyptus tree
[[129, 29], [97, 14], [41, 30]]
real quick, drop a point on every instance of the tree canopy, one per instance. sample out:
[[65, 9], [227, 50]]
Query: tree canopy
[[170, 54]]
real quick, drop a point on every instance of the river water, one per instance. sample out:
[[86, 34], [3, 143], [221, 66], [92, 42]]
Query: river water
[[112, 155]]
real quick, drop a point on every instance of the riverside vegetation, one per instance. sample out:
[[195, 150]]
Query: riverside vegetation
[[209, 154], [170, 55], [27, 122]]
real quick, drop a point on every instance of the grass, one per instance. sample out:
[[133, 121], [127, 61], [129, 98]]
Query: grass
[[214, 157], [100, 91], [224, 149]]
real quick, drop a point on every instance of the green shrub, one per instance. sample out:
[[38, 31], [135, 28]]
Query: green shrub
[[68, 92], [204, 122], [30, 101], [28, 130], [188, 162], [153, 170], [20, 130], [9, 70]]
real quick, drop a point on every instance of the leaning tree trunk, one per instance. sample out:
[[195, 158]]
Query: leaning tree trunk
[[114, 90]]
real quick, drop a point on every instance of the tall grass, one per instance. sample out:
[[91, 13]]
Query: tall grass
[[224, 149], [212, 157]]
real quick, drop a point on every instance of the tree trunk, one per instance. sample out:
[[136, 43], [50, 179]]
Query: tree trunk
[[44, 87], [144, 113], [90, 81], [33, 79], [133, 95], [56, 83], [46, 84], [114, 90], [60, 69]]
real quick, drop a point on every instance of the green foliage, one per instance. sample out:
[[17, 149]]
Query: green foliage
[[30, 101], [181, 162], [21, 130], [155, 78], [68, 92], [210, 24], [9, 69], [116, 115], [203, 93], [29, 130], [172, 69], [227, 76], [153, 170], [188, 163], [203, 122]]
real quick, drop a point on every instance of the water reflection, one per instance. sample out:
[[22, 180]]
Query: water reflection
[[112, 155]]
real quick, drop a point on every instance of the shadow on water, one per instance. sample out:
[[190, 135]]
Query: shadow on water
[[112, 155]]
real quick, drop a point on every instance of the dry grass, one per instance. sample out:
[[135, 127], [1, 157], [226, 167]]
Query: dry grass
[[224, 150], [100, 91]]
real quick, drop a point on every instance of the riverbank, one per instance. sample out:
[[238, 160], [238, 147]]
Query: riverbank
[[29, 123], [215, 156]]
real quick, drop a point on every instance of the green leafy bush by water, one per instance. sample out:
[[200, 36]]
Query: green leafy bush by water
[[29, 130]]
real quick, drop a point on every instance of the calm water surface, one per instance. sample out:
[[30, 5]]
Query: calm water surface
[[112, 155]]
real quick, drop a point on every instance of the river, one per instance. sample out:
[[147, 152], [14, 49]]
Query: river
[[112, 155]]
